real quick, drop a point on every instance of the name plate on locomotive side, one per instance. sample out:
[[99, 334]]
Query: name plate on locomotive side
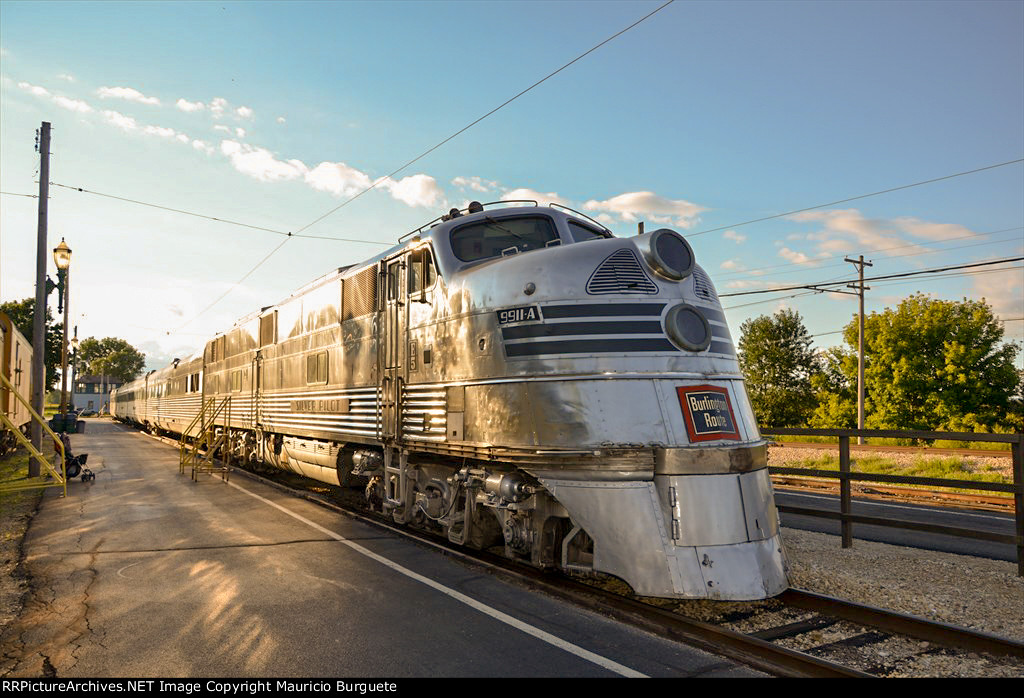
[[323, 405], [523, 313], [707, 413]]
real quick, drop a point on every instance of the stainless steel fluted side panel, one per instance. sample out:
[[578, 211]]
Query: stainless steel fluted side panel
[[288, 412]]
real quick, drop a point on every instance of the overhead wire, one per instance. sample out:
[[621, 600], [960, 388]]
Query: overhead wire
[[882, 249], [432, 149], [861, 196], [873, 278], [212, 218], [492, 111]]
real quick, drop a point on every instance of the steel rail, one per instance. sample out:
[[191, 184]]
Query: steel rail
[[931, 631], [745, 649]]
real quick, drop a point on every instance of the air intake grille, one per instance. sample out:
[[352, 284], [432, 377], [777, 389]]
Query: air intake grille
[[620, 273], [360, 294], [702, 285]]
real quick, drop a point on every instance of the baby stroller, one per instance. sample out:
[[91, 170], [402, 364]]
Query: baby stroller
[[75, 465]]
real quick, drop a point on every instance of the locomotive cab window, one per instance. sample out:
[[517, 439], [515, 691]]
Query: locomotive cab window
[[494, 237], [581, 233]]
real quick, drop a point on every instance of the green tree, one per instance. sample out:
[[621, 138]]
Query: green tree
[[22, 315], [933, 365], [111, 357], [778, 364], [835, 392]]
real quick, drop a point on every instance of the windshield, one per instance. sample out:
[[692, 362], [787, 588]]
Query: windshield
[[493, 237]]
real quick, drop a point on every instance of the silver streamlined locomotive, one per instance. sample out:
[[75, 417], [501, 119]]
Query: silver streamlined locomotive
[[512, 375]]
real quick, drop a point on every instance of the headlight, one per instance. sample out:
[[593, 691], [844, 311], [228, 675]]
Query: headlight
[[688, 328], [667, 253]]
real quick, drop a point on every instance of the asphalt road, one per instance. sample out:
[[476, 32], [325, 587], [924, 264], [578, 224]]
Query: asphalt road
[[144, 573]]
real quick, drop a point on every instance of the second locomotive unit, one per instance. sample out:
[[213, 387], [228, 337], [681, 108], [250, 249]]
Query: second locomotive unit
[[512, 376]]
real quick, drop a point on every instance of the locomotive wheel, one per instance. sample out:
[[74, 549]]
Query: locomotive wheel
[[485, 531]]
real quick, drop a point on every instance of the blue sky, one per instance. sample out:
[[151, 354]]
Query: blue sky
[[703, 116]]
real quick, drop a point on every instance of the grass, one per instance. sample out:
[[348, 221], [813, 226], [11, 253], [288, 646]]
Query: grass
[[14, 468], [879, 441], [947, 468]]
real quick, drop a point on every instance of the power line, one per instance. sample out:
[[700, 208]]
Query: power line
[[855, 198], [492, 111], [210, 218], [885, 249], [232, 287], [432, 149], [873, 278], [11, 193]]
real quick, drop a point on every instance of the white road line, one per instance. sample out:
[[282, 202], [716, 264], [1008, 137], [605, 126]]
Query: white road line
[[899, 506], [472, 603]]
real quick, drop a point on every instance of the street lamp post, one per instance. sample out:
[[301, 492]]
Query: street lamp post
[[74, 366], [62, 258]]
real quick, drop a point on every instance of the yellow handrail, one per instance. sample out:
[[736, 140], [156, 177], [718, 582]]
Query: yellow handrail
[[59, 477]]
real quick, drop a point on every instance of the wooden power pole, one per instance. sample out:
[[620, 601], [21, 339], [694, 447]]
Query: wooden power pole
[[39, 314], [860, 288]]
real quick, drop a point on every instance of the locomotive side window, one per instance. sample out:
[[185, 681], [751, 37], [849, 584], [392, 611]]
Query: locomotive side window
[[316, 368], [495, 237], [420, 270]]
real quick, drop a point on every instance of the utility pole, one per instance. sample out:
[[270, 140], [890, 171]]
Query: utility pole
[[860, 288], [39, 315]]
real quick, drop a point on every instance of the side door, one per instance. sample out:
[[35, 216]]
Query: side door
[[392, 347]]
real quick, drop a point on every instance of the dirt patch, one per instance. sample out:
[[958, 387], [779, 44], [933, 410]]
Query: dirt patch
[[16, 512]]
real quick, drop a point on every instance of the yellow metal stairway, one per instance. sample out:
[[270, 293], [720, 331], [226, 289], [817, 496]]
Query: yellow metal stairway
[[204, 437]]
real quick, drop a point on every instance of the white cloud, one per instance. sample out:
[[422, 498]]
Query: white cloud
[[415, 190], [475, 183], [128, 93], [733, 265], [337, 178], [792, 256], [280, 119], [534, 195], [244, 112], [221, 127], [203, 146], [118, 119], [633, 206], [847, 230], [182, 137], [931, 231], [186, 106], [34, 89], [72, 104], [217, 106], [240, 132], [260, 163], [1004, 291], [734, 236], [65, 76], [161, 131]]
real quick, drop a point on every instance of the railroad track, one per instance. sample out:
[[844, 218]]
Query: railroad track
[[797, 634]]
